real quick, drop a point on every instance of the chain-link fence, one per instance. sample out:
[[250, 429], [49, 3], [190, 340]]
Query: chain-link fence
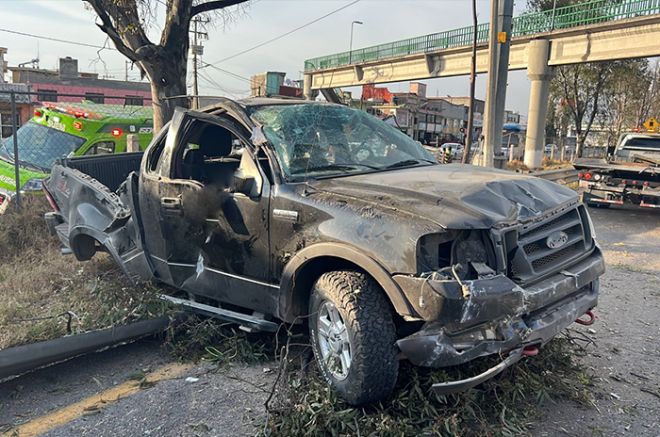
[[38, 128]]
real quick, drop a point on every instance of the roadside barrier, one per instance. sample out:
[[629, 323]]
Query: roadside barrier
[[564, 176]]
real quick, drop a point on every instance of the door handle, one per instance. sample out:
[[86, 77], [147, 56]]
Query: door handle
[[170, 203]]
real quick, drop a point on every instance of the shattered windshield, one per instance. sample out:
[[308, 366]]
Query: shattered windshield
[[322, 140]]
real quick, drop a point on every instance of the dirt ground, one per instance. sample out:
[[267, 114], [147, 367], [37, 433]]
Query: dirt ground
[[625, 356]]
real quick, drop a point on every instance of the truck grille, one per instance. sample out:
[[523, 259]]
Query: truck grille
[[530, 252]]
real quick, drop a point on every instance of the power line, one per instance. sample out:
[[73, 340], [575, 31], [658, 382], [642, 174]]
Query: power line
[[283, 35], [222, 70], [49, 38], [216, 86], [64, 41]]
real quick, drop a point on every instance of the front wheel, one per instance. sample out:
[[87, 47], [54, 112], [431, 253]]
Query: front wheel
[[353, 336]]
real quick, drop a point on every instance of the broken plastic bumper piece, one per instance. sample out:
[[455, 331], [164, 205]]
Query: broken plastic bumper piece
[[451, 387], [514, 356]]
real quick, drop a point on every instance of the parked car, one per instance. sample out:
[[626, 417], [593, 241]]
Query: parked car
[[456, 149], [331, 218], [550, 150]]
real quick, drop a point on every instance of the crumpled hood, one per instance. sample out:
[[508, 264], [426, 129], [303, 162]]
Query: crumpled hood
[[454, 196]]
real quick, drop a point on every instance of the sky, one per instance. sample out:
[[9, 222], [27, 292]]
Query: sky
[[259, 21]]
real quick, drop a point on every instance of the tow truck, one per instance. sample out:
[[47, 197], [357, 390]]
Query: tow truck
[[630, 175]]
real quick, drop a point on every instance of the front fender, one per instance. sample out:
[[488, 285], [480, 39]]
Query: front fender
[[296, 266]]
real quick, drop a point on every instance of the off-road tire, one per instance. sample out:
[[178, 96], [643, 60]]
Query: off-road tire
[[363, 306]]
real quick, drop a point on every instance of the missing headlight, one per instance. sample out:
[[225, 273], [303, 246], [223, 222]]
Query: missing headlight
[[461, 249], [434, 251], [469, 248]]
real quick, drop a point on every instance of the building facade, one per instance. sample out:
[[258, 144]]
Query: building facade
[[54, 86], [23, 107], [50, 85], [430, 120]]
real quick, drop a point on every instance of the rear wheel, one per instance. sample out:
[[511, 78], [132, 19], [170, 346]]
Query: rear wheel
[[353, 336]]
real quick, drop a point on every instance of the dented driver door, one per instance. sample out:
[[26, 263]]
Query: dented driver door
[[214, 213], [171, 208]]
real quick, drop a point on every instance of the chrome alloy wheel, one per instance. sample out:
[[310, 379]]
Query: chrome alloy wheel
[[333, 340]]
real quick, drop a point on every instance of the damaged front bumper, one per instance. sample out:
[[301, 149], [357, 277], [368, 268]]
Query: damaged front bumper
[[498, 317]]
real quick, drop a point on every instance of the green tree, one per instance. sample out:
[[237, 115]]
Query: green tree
[[165, 64]]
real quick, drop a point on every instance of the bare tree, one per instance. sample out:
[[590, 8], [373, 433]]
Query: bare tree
[[165, 64], [580, 88], [650, 102], [627, 94]]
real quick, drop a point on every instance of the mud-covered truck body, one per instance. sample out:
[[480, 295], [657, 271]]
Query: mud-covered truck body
[[264, 210], [631, 175]]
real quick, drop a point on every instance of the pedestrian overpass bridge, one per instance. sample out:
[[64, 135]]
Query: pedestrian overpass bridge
[[597, 30]]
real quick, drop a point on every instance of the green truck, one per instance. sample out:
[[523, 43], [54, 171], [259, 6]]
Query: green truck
[[60, 130]]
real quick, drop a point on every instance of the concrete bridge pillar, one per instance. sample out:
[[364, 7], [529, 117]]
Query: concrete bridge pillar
[[540, 74], [308, 93]]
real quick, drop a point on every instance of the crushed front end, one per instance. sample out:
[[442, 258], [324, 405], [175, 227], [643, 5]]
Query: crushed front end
[[503, 290]]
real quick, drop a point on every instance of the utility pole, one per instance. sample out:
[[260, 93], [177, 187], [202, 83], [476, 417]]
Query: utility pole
[[126, 64], [197, 50], [473, 80], [498, 71]]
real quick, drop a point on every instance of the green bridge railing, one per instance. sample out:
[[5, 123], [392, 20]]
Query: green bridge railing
[[588, 12]]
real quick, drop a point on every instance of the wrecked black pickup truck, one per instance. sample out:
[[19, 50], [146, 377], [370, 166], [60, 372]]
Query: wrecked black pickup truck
[[269, 210]]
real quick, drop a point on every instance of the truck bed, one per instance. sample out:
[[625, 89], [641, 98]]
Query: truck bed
[[95, 200], [110, 170]]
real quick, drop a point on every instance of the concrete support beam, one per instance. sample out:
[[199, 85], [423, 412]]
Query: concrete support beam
[[540, 74], [621, 39], [448, 63]]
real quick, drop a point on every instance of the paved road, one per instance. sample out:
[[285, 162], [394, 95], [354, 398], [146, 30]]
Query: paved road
[[212, 403], [627, 358]]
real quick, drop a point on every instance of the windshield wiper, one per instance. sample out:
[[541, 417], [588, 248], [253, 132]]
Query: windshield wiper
[[339, 167], [33, 166], [407, 162]]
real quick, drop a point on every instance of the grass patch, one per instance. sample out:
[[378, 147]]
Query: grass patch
[[551, 164], [516, 165], [546, 164], [45, 295], [505, 405], [200, 338]]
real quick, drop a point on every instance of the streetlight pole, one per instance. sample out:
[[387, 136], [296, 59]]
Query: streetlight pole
[[350, 46], [554, 8]]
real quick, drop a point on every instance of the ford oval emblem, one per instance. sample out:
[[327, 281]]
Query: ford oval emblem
[[556, 240]]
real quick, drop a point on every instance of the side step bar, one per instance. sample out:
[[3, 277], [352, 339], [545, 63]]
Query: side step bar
[[245, 320]]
